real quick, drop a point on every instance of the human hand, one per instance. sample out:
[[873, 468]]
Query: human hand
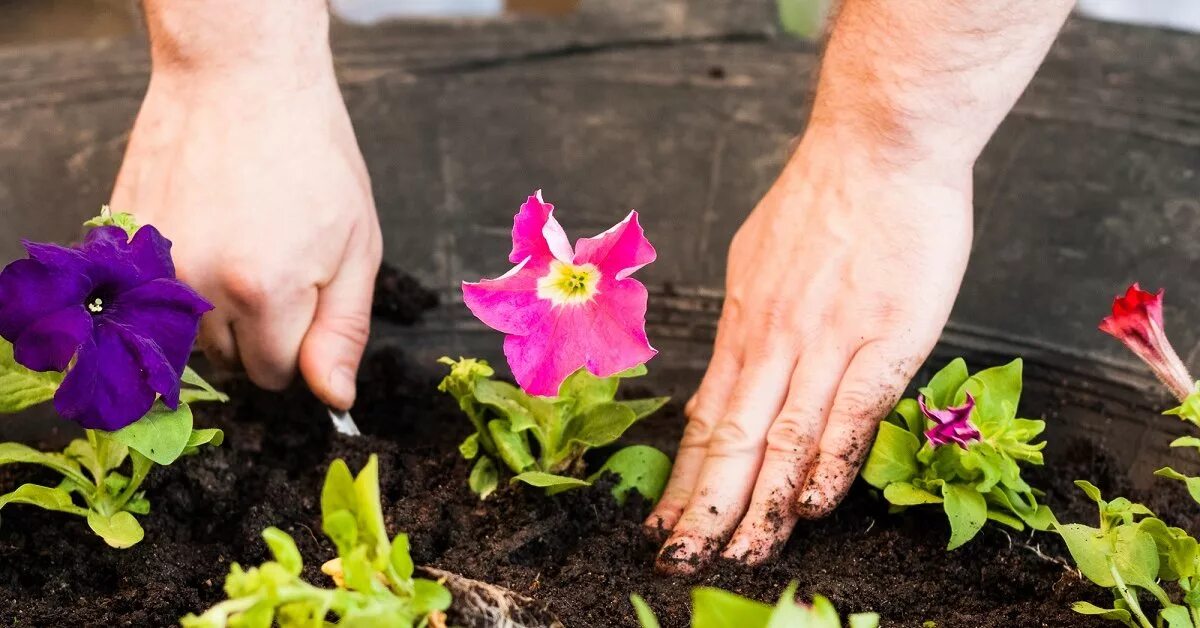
[[838, 286], [260, 184]]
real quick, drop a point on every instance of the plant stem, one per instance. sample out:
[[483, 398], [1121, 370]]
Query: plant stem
[[1129, 596], [141, 467]]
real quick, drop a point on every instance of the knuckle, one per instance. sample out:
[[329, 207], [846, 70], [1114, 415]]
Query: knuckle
[[352, 329], [789, 432], [732, 438]]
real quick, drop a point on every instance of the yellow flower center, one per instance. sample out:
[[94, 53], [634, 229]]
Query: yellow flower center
[[96, 306], [567, 284]]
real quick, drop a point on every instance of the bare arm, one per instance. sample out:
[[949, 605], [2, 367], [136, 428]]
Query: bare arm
[[243, 154], [842, 277]]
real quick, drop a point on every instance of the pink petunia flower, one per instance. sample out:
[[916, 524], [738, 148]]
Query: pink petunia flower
[[953, 425], [1137, 322], [565, 308]]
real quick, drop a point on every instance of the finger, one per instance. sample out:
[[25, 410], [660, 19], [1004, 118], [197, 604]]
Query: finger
[[874, 382], [703, 410], [217, 340], [334, 345], [791, 447], [268, 339], [731, 461]]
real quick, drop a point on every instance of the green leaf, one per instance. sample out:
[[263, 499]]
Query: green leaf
[[1176, 617], [864, 620], [967, 511], [1186, 441], [161, 435], [944, 385], [1192, 483], [1006, 519], [644, 614], [523, 411], [587, 390], [342, 528], [370, 509], [401, 560], [905, 494], [997, 391], [787, 614], [893, 457], [1116, 614], [601, 425], [469, 448], [43, 497], [641, 468], [484, 478], [1090, 549], [512, 447], [1136, 556], [1090, 489], [429, 596], [337, 494], [16, 452], [909, 412], [283, 548], [643, 408], [211, 436], [550, 481], [20, 387], [714, 608], [202, 391], [120, 530], [109, 218]]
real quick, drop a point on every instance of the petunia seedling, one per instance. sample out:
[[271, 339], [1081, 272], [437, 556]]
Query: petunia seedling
[[372, 575], [104, 329], [564, 308], [542, 440], [717, 607], [960, 444], [1132, 551]]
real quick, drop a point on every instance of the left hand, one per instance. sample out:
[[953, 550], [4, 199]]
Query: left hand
[[838, 286]]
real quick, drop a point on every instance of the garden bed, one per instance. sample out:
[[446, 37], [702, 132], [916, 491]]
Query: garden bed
[[580, 553]]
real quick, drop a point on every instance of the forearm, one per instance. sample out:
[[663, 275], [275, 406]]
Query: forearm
[[241, 40], [926, 82]]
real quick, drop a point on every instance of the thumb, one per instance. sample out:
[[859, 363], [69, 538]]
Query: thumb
[[334, 344]]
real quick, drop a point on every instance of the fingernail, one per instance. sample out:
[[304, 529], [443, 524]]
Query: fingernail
[[809, 501], [341, 385], [736, 550], [680, 556]]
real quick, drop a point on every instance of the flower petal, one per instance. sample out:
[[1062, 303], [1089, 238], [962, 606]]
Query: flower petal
[[167, 313], [509, 303], [606, 335], [50, 342], [105, 389], [618, 252], [150, 253], [1137, 321], [161, 375], [30, 290], [537, 235]]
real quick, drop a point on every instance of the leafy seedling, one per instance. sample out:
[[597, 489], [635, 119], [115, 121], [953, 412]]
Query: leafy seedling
[[542, 440], [974, 479], [373, 575], [717, 608]]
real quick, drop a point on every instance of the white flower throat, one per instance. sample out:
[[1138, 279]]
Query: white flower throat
[[568, 284], [96, 306]]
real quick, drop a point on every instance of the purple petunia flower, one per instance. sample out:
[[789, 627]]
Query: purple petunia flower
[[114, 306], [952, 425]]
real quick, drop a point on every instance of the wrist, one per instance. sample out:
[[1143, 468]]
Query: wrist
[[858, 147], [280, 45]]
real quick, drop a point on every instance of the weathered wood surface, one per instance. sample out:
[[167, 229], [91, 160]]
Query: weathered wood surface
[[683, 109]]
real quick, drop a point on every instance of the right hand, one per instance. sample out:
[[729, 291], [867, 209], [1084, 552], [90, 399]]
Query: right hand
[[259, 182]]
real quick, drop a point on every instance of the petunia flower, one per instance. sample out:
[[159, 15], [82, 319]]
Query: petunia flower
[[953, 425], [1137, 321], [113, 312], [564, 308]]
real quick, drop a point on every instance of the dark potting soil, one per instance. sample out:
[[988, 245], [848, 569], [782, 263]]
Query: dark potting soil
[[579, 552]]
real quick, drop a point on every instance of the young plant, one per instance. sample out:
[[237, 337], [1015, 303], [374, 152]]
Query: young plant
[[1137, 321], [574, 321], [716, 608], [373, 577], [541, 440], [104, 330], [960, 444], [1133, 551]]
